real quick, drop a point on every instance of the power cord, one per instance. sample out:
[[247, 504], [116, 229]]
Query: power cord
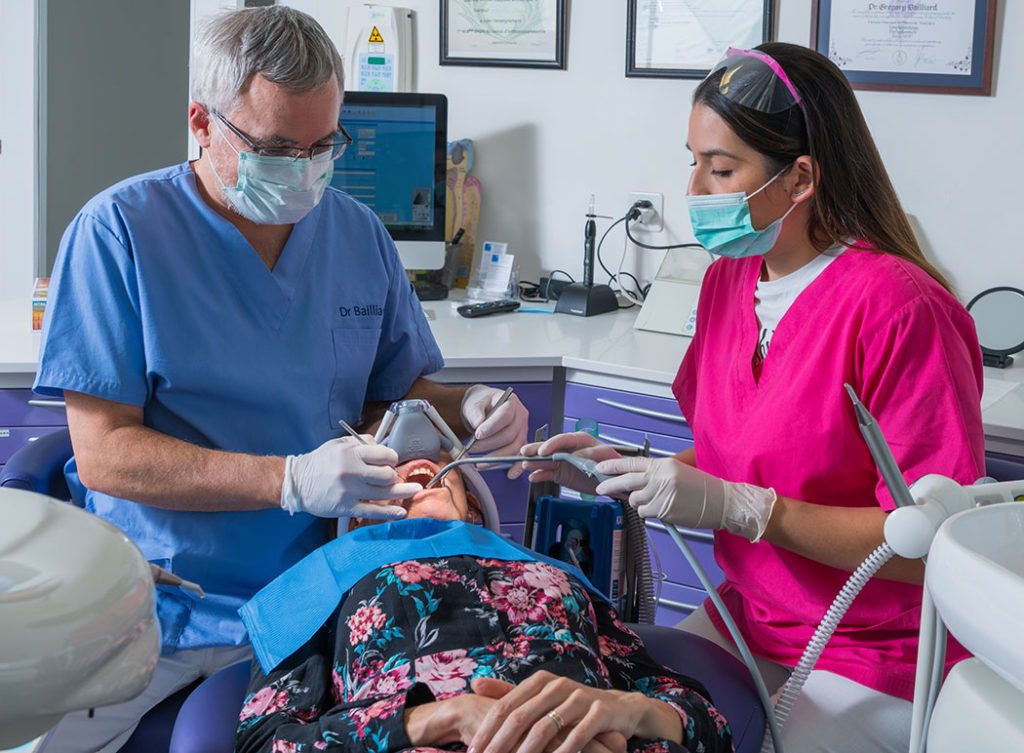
[[614, 278], [536, 293], [634, 213]]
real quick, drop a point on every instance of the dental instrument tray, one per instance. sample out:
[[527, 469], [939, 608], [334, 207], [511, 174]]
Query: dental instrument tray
[[472, 310]]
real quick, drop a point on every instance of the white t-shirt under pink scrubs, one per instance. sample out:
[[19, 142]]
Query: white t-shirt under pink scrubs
[[910, 351]]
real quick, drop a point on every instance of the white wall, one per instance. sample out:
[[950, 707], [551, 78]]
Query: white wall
[[547, 139]]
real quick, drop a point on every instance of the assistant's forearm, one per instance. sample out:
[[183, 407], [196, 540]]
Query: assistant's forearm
[[688, 456], [143, 465], [841, 537]]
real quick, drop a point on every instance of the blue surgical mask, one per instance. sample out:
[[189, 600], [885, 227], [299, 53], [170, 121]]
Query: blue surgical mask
[[721, 223], [277, 190]]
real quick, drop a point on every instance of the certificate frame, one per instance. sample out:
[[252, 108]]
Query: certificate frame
[[977, 82], [549, 55], [692, 67]]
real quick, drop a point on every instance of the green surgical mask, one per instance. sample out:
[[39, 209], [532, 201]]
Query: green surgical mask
[[721, 223], [277, 190]]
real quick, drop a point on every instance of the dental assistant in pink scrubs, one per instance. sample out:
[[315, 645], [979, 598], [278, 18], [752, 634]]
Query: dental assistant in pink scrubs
[[821, 282]]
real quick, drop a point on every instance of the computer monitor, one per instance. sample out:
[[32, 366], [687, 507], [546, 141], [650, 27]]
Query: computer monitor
[[396, 165]]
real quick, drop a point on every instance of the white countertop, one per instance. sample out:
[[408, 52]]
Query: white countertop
[[605, 350], [531, 343]]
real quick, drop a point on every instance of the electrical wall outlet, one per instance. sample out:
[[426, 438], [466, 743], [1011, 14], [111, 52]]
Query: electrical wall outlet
[[651, 220]]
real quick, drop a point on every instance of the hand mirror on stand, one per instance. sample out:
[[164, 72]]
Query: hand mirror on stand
[[999, 316]]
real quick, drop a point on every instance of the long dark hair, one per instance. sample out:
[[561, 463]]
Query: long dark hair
[[853, 196]]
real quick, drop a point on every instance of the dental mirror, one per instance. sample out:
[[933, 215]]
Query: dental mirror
[[999, 316]]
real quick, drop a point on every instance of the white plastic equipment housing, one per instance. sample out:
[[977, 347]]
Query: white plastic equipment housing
[[76, 614]]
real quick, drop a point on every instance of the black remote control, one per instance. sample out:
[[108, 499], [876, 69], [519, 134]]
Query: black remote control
[[471, 310]]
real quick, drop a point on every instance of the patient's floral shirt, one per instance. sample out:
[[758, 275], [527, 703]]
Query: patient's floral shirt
[[420, 631]]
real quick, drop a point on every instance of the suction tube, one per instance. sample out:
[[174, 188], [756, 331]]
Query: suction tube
[[772, 733], [821, 636]]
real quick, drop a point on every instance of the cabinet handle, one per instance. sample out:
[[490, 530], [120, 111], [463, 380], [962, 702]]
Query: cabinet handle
[[48, 404], [687, 533], [679, 604], [626, 443], [642, 411]]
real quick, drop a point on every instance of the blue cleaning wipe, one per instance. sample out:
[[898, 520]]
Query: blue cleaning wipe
[[285, 614]]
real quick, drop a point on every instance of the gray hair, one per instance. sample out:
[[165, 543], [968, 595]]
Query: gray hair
[[285, 46]]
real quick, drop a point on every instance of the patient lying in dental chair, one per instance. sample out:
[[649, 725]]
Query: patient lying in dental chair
[[432, 632]]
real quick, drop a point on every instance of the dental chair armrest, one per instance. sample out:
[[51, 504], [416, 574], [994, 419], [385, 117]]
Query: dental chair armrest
[[208, 718], [726, 678]]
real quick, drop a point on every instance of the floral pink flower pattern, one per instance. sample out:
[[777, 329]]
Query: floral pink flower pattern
[[517, 648], [519, 600], [377, 710], [395, 680], [439, 623], [413, 572], [266, 701], [552, 581], [446, 673], [365, 621]]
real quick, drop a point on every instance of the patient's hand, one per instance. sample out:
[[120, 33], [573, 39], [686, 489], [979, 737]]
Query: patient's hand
[[445, 722], [593, 720]]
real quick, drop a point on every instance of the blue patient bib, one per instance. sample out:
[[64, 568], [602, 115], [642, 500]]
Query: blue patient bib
[[285, 614]]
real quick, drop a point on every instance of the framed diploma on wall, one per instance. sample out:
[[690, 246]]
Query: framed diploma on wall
[[514, 33], [937, 46], [684, 38]]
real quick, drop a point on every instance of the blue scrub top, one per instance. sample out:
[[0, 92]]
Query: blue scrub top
[[158, 301]]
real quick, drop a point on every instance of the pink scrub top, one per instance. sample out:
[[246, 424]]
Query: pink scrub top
[[910, 351]]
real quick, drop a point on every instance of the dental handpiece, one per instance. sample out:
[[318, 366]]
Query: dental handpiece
[[881, 453]]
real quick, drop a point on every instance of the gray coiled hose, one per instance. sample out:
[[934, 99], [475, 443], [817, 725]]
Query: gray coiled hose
[[638, 575], [821, 636]]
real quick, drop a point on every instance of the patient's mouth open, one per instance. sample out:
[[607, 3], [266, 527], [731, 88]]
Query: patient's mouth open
[[418, 471]]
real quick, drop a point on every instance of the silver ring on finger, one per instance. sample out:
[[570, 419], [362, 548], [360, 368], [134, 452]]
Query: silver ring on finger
[[557, 719]]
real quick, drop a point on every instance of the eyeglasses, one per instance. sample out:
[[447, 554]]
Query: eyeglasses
[[334, 148], [755, 80]]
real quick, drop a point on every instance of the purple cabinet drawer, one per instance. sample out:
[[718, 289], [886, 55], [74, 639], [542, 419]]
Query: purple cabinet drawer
[[674, 565], [619, 408], [676, 603], [16, 411], [661, 444], [14, 438]]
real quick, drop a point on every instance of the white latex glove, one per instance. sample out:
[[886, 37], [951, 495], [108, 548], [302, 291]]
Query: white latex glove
[[682, 495], [579, 443], [332, 480], [502, 433]]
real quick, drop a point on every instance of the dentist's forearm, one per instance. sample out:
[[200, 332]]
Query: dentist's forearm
[[117, 455]]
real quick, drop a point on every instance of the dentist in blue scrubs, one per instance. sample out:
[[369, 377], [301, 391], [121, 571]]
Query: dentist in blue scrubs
[[210, 324]]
